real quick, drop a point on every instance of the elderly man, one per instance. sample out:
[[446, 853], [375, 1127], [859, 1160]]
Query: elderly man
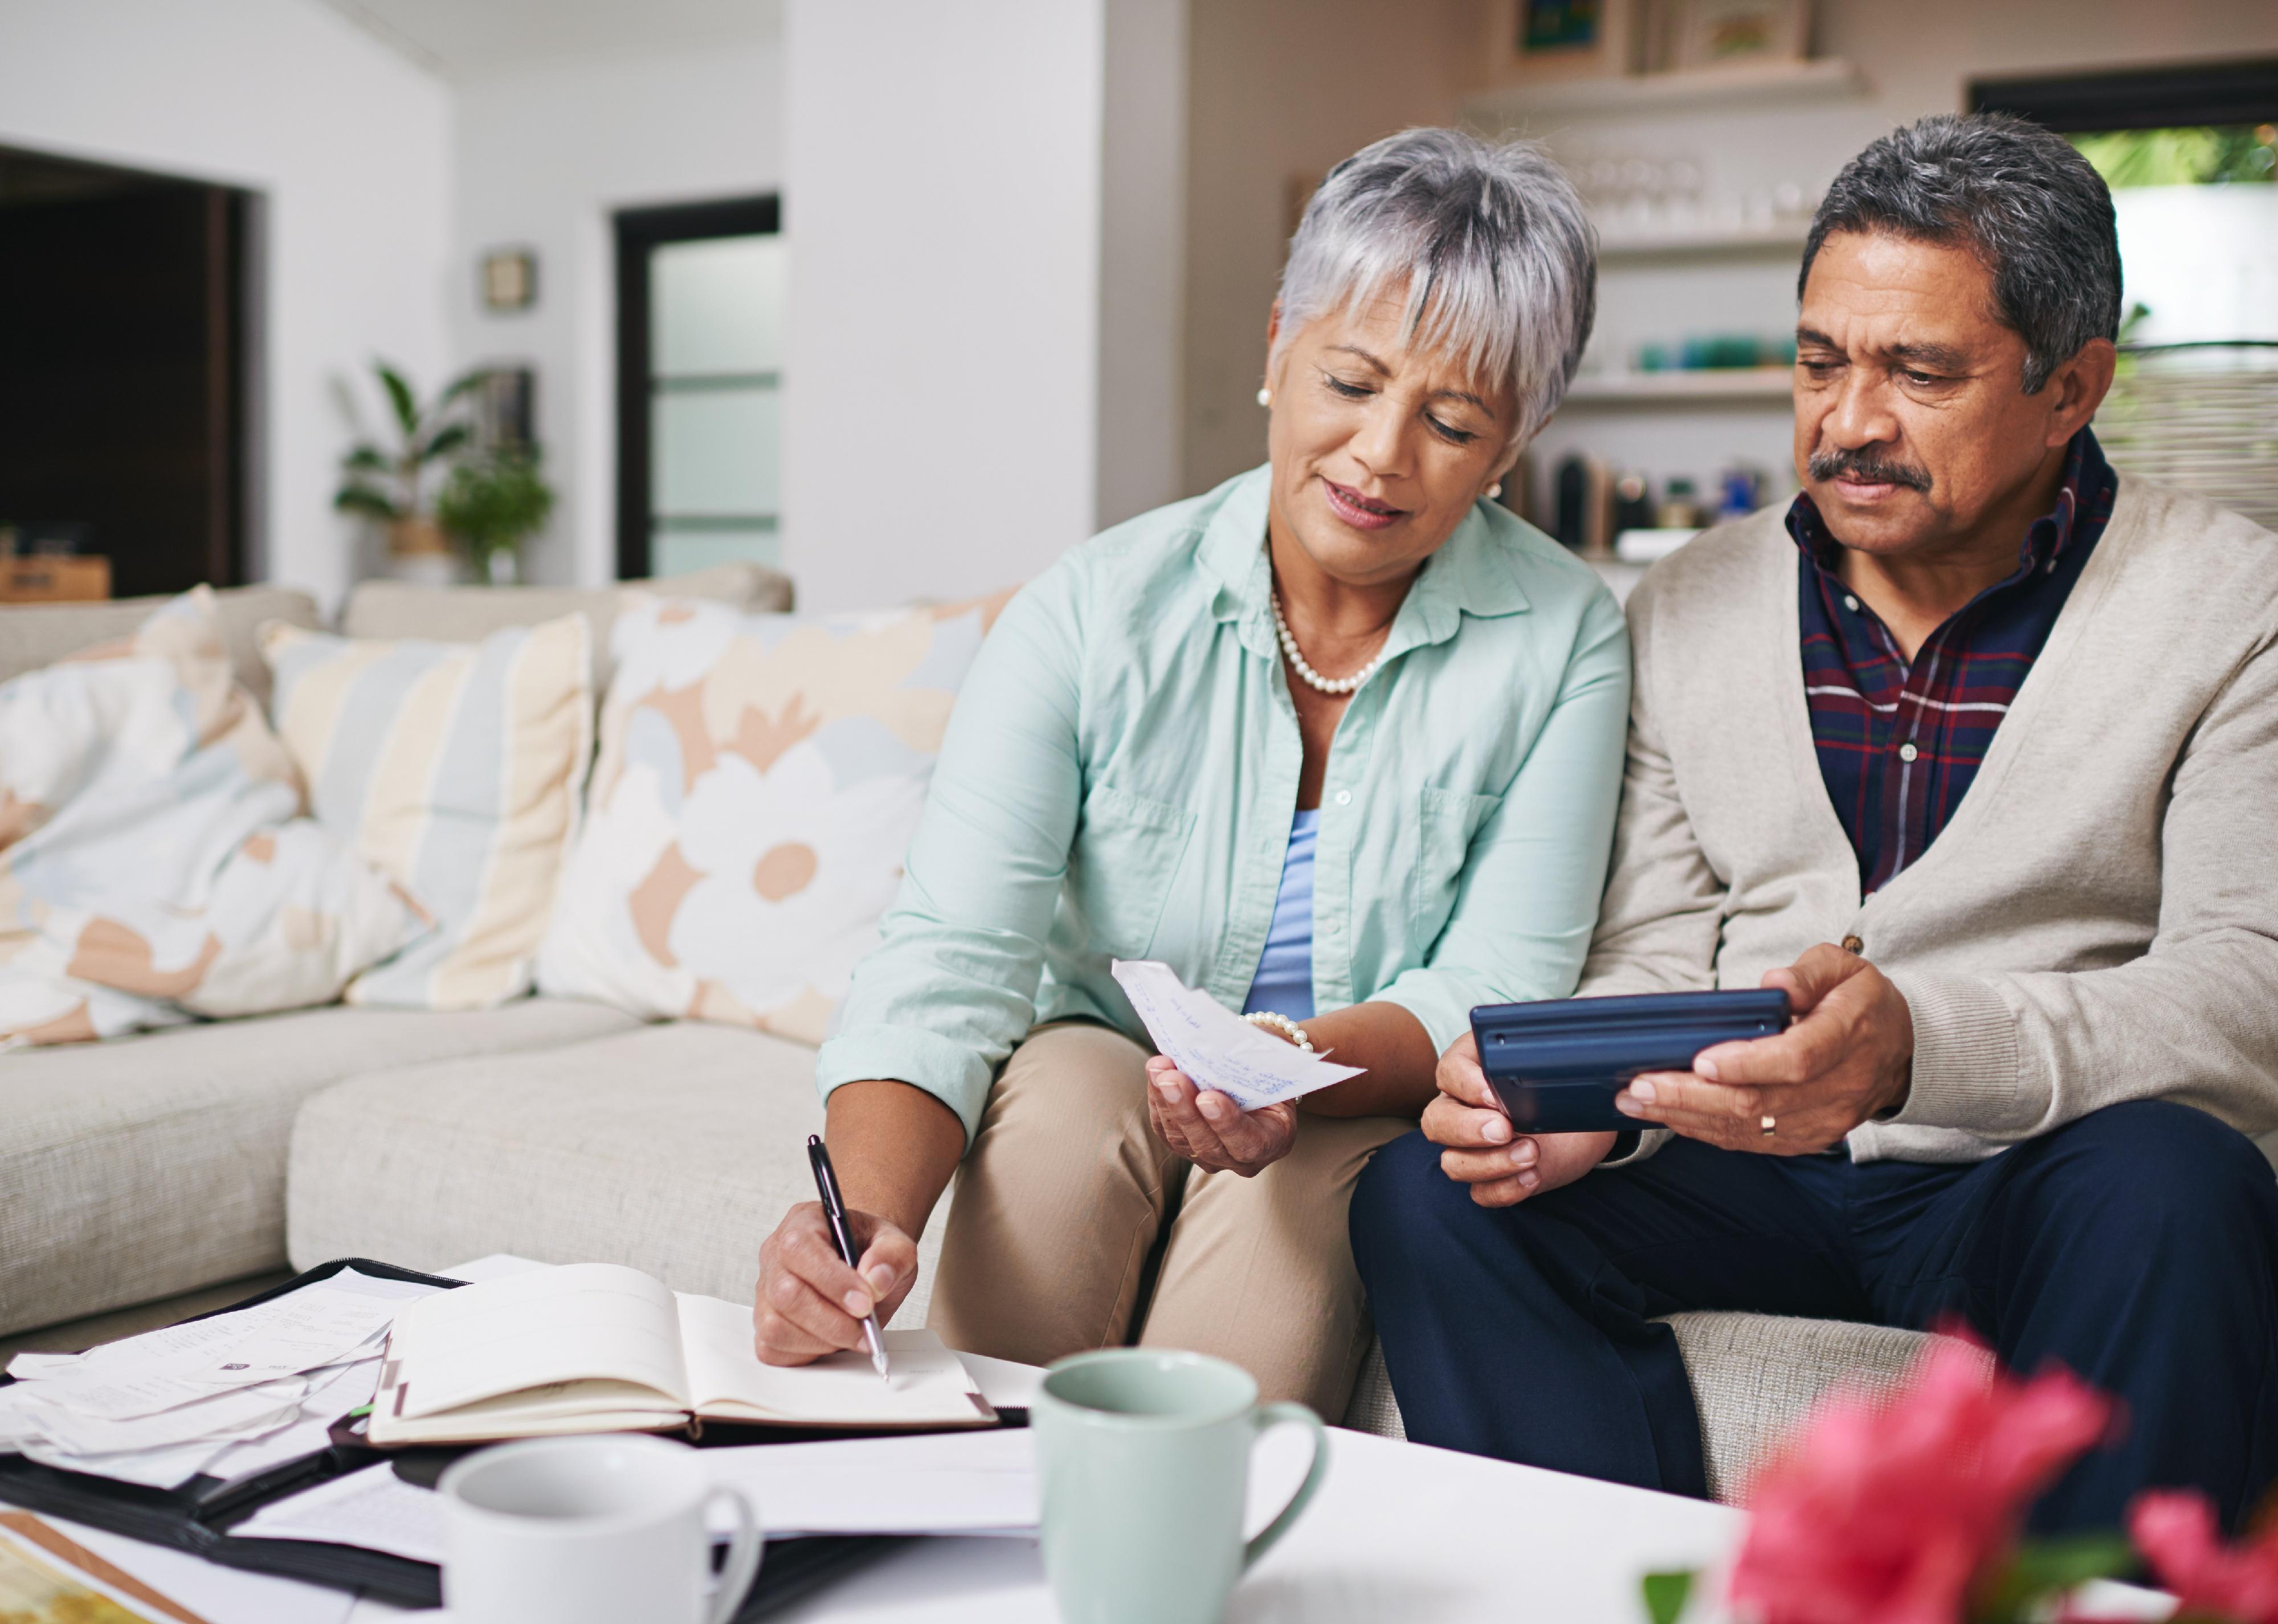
[[1974, 750]]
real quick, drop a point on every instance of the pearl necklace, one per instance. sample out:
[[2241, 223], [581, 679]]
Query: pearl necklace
[[1312, 678]]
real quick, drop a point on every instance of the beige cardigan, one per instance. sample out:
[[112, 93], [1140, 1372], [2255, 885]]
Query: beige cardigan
[[2097, 922]]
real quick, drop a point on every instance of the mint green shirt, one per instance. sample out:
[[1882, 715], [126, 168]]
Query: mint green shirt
[[1118, 778]]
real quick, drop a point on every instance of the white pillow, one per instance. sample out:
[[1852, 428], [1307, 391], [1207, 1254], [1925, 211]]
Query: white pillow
[[153, 861], [758, 779]]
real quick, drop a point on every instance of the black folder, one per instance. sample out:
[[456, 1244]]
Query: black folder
[[198, 1516]]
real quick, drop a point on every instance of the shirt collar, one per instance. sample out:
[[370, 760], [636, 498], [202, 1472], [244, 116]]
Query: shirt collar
[[2086, 476], [1469, 574]]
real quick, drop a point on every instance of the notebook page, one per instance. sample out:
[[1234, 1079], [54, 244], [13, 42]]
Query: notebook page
[[582, 1321], [930, 1386]]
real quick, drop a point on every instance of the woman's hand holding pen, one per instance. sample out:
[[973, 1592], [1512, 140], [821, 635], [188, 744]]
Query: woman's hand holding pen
[[809, 1303], [1212, 1131]]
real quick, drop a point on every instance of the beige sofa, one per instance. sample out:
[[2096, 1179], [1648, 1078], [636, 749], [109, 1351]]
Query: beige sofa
[[150, 1166]]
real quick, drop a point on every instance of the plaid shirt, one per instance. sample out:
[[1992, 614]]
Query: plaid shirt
[[1900, 744]]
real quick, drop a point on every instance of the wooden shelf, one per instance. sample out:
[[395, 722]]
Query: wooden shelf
[[1728, 387], [1618, 242], [1750, 86]]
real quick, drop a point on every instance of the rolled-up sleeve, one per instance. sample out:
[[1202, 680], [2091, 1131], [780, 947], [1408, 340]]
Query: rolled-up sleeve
[[1532, 881], [952, 985]]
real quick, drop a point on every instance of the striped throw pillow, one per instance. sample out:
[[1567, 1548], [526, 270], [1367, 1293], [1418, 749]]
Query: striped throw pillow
[[457, 768]]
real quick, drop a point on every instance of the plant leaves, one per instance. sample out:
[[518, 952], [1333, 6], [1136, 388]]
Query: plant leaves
[[400, 396], [444, 441], [365, 459], [362, 499], [1665, 1596], [2044, 1567], [459, 386]]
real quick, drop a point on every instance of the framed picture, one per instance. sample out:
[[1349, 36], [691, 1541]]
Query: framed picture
[[1718, 32], [1537, 40]]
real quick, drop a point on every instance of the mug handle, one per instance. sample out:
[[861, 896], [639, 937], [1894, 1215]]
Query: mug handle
[[1296, 1415], [743, 1553]]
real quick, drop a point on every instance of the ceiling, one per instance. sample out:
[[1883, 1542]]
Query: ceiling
[[464, 39]]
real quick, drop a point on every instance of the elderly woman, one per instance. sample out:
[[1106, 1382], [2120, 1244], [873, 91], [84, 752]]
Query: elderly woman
[[1340, 741]]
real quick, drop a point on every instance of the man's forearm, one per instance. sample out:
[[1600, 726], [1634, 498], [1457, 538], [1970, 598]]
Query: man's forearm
[[894, 1147], [1394, 1049]]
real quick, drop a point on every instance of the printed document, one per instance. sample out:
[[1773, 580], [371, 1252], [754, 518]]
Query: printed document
[[1216, 1047]]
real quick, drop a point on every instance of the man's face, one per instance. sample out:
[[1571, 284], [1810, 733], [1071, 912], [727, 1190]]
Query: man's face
[[1911, 419]]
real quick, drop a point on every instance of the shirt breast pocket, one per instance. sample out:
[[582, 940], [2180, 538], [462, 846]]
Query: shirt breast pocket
[[1120, 871], [1446, 821]]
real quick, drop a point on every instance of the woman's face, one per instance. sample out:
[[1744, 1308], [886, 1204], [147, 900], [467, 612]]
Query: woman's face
[[1379, 451]]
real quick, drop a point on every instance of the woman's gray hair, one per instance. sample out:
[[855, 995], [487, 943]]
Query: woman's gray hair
[[1497, 257], [2032, 210]]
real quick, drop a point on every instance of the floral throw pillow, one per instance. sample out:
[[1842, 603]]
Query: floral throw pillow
[[153, 862], [757, 781]]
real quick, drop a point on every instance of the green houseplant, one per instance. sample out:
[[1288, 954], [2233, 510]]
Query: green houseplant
[[489, 504], [390, 484]]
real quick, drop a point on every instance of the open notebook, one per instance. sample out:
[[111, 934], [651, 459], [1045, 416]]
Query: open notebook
[[595, 1347]]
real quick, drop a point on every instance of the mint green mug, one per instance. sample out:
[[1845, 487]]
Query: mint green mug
[[1145, 1460]]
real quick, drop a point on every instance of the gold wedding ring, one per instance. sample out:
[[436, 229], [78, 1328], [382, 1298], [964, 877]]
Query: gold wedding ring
[[1770, 1127]]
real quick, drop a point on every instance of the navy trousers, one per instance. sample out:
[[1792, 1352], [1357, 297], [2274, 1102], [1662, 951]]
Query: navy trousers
[[2138, 1247]]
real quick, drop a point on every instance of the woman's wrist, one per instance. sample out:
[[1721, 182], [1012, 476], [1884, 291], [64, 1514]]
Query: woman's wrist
[[1281, 1026]]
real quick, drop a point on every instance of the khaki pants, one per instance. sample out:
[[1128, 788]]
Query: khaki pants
[[1067, 1197]]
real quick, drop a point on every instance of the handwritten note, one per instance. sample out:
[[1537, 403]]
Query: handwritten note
[[1217, 1047]]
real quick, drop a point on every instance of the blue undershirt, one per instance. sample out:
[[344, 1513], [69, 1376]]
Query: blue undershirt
[[1284, 982]]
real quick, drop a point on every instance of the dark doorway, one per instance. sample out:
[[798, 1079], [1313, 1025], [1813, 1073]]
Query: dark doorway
[[700, 384], [123, 346]]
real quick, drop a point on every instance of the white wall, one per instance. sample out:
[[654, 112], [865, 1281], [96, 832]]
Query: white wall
[[943, 206], [348, 145], [546, 153]]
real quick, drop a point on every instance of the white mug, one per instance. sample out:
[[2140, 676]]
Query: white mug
[[589, 1530]]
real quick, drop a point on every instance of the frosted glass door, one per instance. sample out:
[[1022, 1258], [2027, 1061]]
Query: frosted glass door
[[715, 401]]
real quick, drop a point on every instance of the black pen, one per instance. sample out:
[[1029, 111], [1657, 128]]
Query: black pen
[[834, 1213]]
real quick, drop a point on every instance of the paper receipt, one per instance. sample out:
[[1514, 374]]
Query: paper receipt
[[1217, 1047]]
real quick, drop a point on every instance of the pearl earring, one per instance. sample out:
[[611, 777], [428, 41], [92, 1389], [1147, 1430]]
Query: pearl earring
[[1494, 490], [1265, 397]]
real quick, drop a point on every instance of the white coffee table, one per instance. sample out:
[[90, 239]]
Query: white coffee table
[[1399, 1532]]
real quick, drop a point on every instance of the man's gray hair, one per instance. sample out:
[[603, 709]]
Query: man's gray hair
[[2034, 211], [1498, 261]]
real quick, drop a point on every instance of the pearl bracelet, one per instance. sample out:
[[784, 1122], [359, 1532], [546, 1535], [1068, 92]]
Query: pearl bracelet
[[1275, 1021]]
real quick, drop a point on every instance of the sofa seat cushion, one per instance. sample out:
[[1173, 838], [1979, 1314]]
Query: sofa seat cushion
[[147, 1166], [1754, 1378], [673, 1149]]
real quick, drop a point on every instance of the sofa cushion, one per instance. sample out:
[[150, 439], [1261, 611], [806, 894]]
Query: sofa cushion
[[674, 1149], [469, 614], [758, 781], [147, 1166], [36, 634], [153, 860], [457, 769], [1754, 1378]]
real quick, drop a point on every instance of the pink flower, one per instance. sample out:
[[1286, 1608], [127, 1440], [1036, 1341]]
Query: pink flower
[[2175, 1530], [1894, 1512]]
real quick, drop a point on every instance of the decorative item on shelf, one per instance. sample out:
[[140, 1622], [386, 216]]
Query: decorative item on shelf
[[49, 564], [1537, 40], [1519, 492], [1585, 496], [1679, 508], [1740, 491], [1632, 505], [501, 409], [490, 505], [509, 280], [394, 485], [1712, 34]]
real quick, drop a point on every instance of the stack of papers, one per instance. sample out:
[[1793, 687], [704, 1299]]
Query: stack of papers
[[1216, 1047], [225, 1397], [963, 1483]]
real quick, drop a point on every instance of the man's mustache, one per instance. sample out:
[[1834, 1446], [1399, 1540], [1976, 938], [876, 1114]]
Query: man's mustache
[[1868, 469]]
